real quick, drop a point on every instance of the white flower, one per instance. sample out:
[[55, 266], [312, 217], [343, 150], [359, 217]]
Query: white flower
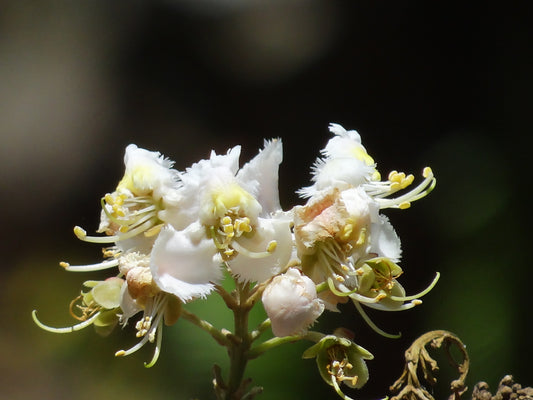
[[148, 173], [291, 303], [201, 183], [131, 215], [333, 231], [345, 163], [238, 211]]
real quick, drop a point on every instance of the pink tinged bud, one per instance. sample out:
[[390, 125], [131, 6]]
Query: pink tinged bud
[[291, 303]]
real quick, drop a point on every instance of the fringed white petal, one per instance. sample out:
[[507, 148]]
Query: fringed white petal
[[184, 263], [385, 241], [258, 259], [263, 171]]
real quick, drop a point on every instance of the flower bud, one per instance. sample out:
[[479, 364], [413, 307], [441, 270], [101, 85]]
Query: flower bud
[[291, 303]]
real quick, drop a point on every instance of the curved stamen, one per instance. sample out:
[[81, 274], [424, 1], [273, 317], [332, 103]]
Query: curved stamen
[[133, 349], [82, 234], [252, 254], [152, 332], [154, 230], [367, 300], [332, 261], [157, 350], [418, 295], [372, 324], [337, 292], [213, 233], [422, 190], [133, 215], [89, 267], [68, 329], [403, 307], [337, 388]]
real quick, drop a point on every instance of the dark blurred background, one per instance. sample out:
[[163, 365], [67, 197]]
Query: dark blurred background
[[440, 84]]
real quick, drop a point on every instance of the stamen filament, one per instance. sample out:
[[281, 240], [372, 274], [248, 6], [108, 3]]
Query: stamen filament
[[403, 307], [335, 291], [372, 324], [89, 267], [157, 350], [367, 300], [82, 234], [337, 388], [418, 295], [249, 253], [422, 190], [154, 310], [67, 329]]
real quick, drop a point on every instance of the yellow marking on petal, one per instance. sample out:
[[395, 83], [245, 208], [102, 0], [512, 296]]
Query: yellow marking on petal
[[232, 196], [361, 154]]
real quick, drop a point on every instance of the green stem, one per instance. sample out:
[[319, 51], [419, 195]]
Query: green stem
[[206, 326], [238, 348], [277, 341], [263, 326], [270, 344]]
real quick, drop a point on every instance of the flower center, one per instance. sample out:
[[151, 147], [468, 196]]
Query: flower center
[[231, 227], [339, 367]]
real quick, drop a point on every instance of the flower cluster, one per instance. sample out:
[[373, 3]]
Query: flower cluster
[[171, 237]]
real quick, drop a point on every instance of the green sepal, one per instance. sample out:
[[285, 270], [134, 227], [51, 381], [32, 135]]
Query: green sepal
[[172, 310], [107, 293], [334, 348]]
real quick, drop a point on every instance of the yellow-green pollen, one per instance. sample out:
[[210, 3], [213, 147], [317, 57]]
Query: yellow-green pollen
[[229, 228]]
